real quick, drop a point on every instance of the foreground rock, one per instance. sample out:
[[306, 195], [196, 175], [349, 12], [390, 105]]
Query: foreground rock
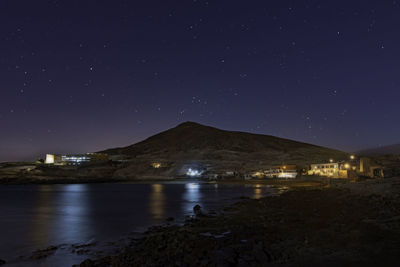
[[44, 253], [318, 227]]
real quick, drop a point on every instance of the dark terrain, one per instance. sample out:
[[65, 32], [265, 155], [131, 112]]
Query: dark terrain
[[346, 225], [194, 145], [381, 151]]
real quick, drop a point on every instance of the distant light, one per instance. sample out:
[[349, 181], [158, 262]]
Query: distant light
[[156, 165], [352, 157], [193, 173], [331, 160], [347, 166], [49, 159]]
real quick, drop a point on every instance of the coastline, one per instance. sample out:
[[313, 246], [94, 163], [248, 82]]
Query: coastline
[[307, 181], [344, 224]]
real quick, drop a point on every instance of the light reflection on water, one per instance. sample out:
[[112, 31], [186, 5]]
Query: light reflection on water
[[46, 215], [73, 216], [41, 221], [60, 214], [257, 191], [157, 201], [191, 197]]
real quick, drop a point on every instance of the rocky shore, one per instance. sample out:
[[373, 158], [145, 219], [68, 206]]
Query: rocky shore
[[346, 224]]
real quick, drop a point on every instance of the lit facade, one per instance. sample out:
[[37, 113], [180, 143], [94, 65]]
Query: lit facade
[[287, 172], [325, 169], [75, 159], [49, 159], [53, 159], [332, 169]]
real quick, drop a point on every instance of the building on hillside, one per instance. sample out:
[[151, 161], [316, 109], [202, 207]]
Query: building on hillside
[[76, 159], [53, 159], [332, 169], [258, 174], [286, 171], [370, 169], [159, 164]]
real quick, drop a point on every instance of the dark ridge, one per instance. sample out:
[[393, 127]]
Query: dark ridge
[[384, 150], [191, 140]]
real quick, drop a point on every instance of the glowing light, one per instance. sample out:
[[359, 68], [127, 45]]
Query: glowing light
[[258, 174], [193, 173], [49, 159], [156, 165], [352, 157], [347, 166], [331, 160], [288, 174]]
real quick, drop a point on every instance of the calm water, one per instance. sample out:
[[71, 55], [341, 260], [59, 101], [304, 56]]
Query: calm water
[[37, 216]]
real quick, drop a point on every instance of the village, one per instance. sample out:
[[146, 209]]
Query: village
[[350, 169], [354, 167]]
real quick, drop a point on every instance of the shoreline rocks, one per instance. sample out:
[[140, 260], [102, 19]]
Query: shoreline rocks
[[305, 227]]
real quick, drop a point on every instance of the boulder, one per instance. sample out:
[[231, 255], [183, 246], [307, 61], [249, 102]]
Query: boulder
[[197, 210]]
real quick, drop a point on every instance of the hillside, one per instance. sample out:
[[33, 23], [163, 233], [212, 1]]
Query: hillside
[[384, 150], [193, 144]]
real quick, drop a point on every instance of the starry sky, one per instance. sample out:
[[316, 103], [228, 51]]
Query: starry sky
[[78, 76]]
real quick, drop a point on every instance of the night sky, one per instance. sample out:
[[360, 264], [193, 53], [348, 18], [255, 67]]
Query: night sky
[[80, 76]]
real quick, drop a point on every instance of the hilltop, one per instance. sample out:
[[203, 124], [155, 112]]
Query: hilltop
[[193, 144]]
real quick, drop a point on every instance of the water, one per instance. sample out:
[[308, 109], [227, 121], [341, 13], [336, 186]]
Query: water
[[37, 216]]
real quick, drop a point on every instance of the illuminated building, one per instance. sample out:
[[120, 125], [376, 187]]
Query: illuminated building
[[332, 169], [75, 159], [258, 174], [52, 159], [156, 165], [285, 171]]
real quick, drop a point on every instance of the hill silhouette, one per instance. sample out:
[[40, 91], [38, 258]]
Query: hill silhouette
[[192, 143], [384, 150]]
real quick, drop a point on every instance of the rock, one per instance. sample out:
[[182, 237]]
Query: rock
[[197, 210], [242, 263], [77, 246], [2, 262], [44, 253], [87, 263]]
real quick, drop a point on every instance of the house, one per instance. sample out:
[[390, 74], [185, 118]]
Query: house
[[285, 171], [371, 169], [53, 159], [332, 169]]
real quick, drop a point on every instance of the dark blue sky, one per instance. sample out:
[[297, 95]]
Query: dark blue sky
[[82, 76]]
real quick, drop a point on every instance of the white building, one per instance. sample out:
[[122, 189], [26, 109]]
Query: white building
[[287, 171], [333, 169]]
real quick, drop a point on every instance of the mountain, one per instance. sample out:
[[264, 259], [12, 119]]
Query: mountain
[[384, 150], [193, 144]]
